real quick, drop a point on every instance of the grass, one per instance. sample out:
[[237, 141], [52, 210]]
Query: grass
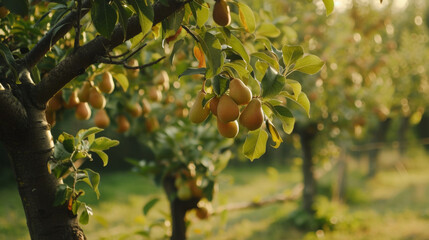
[[393, 205]]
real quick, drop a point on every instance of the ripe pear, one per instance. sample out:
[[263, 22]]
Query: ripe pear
[[51, 117], [202, 213], [146, 106], [107, 85], [73, 100], [123, 124], [96, 99], [198, 113], [152, 124], [133, 73], [221, 13], [252, 116], [101, 119], [162, 78], [227, 109], [155, 94], [55, 103], [239, 92], [83, 112], [4, 12], [229, 129], [84, 92], [134, 109], [213, 105]]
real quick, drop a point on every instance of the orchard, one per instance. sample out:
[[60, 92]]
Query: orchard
[[308, 102]]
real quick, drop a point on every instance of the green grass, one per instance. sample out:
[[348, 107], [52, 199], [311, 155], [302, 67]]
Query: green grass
[[394, 205]]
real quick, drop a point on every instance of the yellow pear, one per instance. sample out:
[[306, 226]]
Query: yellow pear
[[73, 100], [146, 108], [221, 13], [252, 116], [151, 124], [213, 105], [239, 92], [107, 85], [155, 94], [83, 112], [96, 99], [84, 92], [229, 129], [101, 119], [133, 73], [227, 109], [198, 113], [123, 124]]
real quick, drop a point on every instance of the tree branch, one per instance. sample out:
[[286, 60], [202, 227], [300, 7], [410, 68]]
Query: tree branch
[[88, 54], [53, 35]]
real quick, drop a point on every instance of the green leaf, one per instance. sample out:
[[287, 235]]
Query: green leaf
[[145, 13], [268, 29], [104, 17], [329, 5], [124, 14], [200, 12], [177, 46], [173, 23], [8, 57], [270, 59], [68, 141], [61, 195], [220, 84], [60, 152], [272, 83], [84, 133], [17, 6], [149, 205], [296, 87], [235, 44], [304, 103], [213, 51], [246, 17], [84, 216], [260, 69], [35, 75], [309, 64], [122, 80], [92, 179], [291, 54], [286, 117], [104, 157], [255, 144], [193, 71], [103, 143]]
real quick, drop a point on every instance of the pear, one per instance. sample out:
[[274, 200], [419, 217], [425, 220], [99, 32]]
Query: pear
[[55, 103], [198, 113], [101, 119], [229, 129], [151, 124], [135, 109], [155, 94], [83, 112], [73, 100], [96, 99], [123, 124], [51, 117], [162, 78], [252, 116], [221, 13], [239, 92], [146, 108], [227, 109], [84, 92], [107, 85], [133, 73], [213, 105], [202, 213]]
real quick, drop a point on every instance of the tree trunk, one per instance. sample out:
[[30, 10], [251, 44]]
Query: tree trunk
[[379, 137], [30, 146], [402, 135], [341, 180], [178, 209], [307, 136]]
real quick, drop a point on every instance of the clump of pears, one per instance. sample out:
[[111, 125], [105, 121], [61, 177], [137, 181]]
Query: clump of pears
[[226, 108]]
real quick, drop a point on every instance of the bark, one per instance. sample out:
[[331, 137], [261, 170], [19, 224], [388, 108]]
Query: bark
[[178, 209], [402, 135], [26, 134], [307, 136], [379, 136]]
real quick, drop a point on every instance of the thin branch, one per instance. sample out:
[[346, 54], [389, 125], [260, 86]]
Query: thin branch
[[90, 53], [124, 63], [78, 17], [190, 32], [53, 35]]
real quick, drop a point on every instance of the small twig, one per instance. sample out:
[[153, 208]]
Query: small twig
[[118, 56], [135, 51], [77, 36], [123, 63], [190, 32]]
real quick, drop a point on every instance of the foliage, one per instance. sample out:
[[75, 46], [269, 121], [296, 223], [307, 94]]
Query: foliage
[[70, 153]]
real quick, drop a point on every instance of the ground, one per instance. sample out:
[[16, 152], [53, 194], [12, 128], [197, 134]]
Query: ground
[[394, 205]]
